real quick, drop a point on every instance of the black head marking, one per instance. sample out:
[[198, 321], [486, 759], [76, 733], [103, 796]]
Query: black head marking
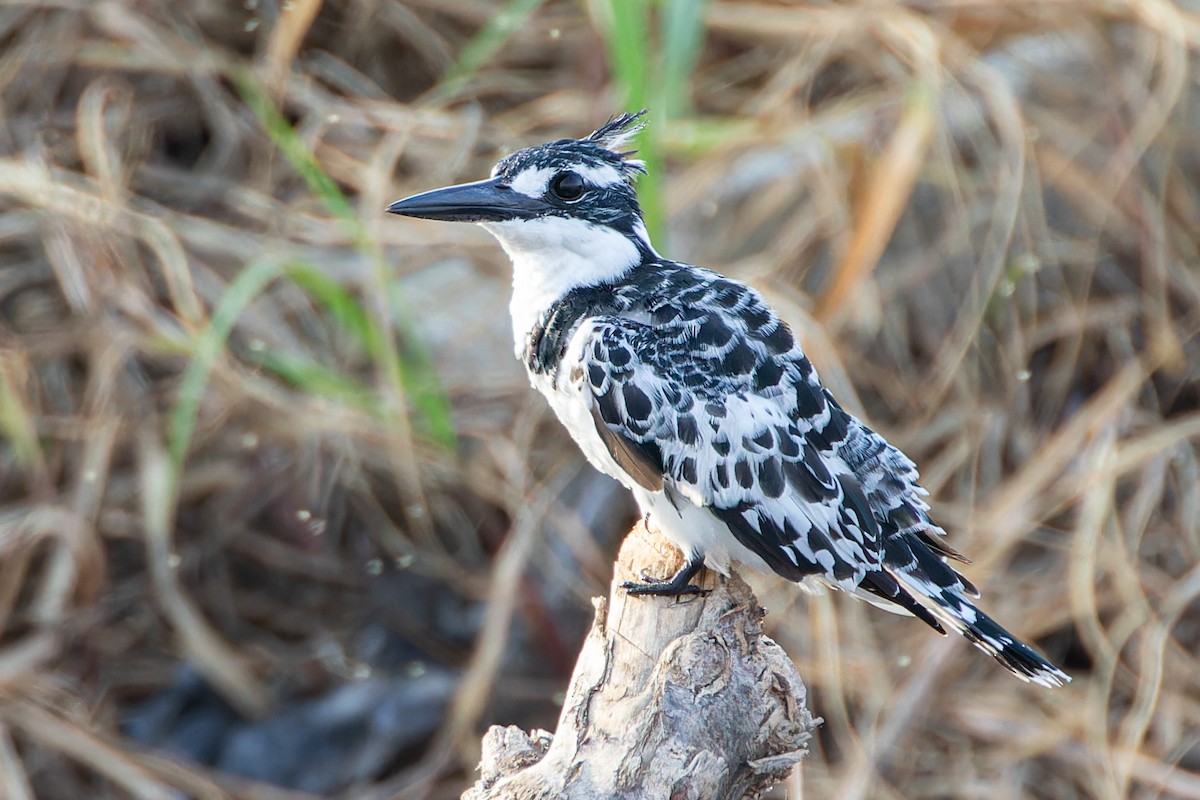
[[598, 149], [592, 177]]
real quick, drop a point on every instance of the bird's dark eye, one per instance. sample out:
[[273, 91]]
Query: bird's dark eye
[[567, 186]]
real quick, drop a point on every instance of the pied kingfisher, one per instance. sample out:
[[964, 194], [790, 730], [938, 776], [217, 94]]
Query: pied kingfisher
[[684, 386]]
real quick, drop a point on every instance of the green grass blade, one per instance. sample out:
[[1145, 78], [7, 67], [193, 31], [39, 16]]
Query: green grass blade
[[16, 423], [249, 283], [490, 38], [417, 377], [293, 148], [682, 33], [425, 392], [315, 379], [342, 306], [301, 372], [417, 373], [626, 30]]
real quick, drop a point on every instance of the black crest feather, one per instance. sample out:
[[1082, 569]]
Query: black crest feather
[[614, 134]]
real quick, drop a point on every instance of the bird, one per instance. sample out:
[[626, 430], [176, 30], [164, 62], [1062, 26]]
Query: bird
[[688, 389]]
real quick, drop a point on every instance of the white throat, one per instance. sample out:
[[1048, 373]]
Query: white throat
[[553, 255]]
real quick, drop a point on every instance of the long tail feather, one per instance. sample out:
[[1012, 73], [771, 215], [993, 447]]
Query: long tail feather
[[959, 614]]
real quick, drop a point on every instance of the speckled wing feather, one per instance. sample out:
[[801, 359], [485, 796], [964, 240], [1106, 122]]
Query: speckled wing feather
[[705, 381], [693, 374]]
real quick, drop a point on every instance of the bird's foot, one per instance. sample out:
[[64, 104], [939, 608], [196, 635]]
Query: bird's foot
[[663, 588], [675, 586]]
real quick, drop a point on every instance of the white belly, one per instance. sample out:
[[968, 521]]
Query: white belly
[[572, 404], [694, 529]]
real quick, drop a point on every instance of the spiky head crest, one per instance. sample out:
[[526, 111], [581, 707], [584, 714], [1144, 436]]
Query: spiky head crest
[[614, 134], [601, 148]]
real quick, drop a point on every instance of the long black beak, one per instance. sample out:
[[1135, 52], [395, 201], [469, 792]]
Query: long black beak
[[482, 201]]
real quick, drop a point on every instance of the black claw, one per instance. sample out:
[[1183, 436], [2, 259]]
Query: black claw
[[663, 589], [678, 584]]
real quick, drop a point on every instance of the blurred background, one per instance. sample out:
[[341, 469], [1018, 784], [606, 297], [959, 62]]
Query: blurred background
[[281, 518]]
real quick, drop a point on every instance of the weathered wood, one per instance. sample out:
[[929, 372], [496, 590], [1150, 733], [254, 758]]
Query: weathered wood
[[672, 698]]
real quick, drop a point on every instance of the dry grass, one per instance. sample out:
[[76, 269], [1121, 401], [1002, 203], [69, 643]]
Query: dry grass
[[981, 218]]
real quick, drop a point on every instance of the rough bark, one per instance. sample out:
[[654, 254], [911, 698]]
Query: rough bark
[[672, 698]]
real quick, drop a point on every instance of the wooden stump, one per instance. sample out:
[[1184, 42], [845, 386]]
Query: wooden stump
[[671, 699]]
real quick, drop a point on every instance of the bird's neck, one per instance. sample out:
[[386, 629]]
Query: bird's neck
[[553, 256]]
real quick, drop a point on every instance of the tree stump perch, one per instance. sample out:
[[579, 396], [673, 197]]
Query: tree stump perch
[[672, 698]]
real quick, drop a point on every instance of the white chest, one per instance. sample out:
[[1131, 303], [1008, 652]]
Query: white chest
[[553, 255], [572, 403]]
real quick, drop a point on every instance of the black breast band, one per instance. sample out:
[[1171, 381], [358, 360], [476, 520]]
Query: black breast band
[[547, 342]]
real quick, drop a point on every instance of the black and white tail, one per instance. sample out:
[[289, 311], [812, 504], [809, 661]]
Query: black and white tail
[[949, 606]]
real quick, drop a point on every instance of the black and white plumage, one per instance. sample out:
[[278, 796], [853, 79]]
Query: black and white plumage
[[684, 386]]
